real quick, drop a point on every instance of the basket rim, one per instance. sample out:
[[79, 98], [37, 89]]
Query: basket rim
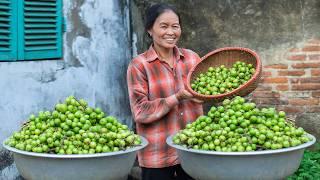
[[249, 82]]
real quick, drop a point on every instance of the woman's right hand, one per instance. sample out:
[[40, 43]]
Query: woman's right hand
[[183, 94]]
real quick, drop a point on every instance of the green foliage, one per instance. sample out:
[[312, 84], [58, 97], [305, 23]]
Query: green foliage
[[309, 168]]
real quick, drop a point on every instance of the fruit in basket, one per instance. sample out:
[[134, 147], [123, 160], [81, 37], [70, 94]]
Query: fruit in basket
[[73, 128], [237, 125], [220, 80]]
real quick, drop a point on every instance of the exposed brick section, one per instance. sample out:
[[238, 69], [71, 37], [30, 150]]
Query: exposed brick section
[[297, 57], [311, 48], [306, 87], [316, 94], [275, 80], [266, 74], [314, 57], [306, 65], [291, 73], [277, 66], [315, 72], [303, 101], [293, 83], [282, 87], [265, 94]]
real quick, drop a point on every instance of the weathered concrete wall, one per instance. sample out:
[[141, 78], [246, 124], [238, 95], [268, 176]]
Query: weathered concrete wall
[[269, 27], [96, 54]]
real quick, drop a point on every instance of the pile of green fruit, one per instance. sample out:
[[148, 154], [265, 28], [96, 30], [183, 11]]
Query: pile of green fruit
[[237, 126], [220, 80], [73, 128]]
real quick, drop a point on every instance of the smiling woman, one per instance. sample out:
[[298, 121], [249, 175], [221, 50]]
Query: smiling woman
[[160, 103], [165, 33]]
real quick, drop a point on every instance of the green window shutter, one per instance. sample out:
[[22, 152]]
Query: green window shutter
[[8, 29], [40, 29]]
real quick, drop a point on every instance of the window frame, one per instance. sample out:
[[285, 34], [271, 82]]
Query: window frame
[[32, 13]]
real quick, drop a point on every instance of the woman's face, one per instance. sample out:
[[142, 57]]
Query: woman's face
[[166, 30]]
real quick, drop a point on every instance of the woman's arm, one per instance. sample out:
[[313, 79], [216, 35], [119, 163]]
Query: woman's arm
[[144, 110]]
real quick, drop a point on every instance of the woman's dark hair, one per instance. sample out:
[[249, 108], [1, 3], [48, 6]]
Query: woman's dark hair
[[156, 10]]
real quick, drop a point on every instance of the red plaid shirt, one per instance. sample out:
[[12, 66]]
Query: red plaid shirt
[[152, 84]]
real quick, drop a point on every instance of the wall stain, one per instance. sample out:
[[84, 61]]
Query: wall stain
[[78, 29], [44, 76]]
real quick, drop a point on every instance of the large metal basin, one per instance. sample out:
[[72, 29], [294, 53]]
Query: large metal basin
[[257, 165], [101, 166]]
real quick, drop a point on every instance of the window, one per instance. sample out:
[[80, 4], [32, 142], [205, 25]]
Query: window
[[30, 29]]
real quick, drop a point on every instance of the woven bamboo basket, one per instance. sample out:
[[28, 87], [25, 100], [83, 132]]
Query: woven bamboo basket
[[226, 56]]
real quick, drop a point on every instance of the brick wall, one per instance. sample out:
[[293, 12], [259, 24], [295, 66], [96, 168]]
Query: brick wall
[[292, 85]]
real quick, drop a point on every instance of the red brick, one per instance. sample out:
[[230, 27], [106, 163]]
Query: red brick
[[291, 73], [266, 94], [315, 72], [282, 87], [313, 109], [291, 109], [269, 101], [298, 94], [303, 101], [294, 50], [315, 94], [305, 80], [310, 80], [275, 80], [277, 66], [263, 88], [311, 48], [266, 74], [314, 57], [297, 57], [306, 87], [306, 65]]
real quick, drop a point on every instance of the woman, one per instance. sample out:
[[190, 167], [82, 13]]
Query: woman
[[160, 104]]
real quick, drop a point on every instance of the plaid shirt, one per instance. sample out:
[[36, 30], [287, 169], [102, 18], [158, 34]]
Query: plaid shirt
[[152, 85]]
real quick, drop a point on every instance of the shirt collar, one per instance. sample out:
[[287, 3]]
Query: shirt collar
[[151, 54]]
